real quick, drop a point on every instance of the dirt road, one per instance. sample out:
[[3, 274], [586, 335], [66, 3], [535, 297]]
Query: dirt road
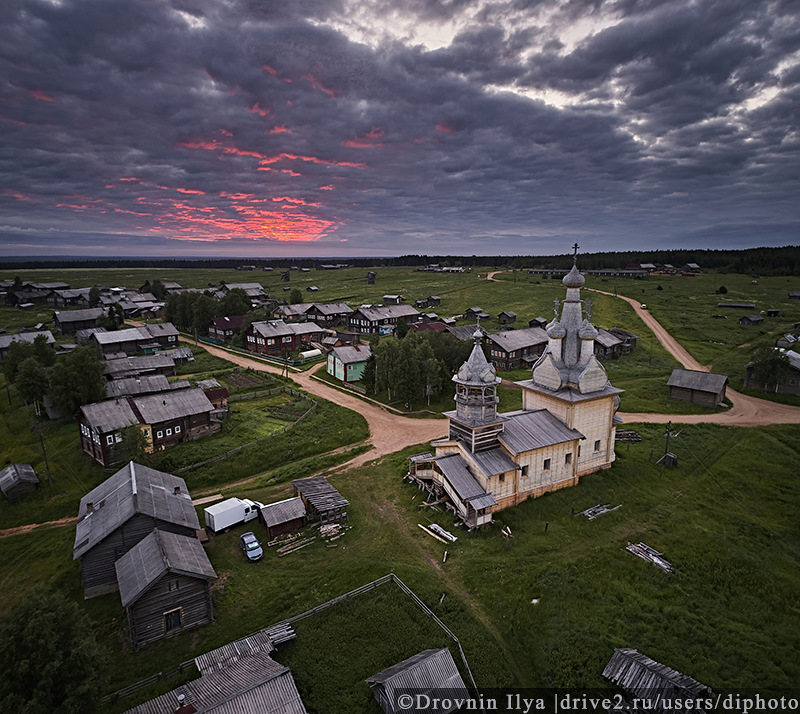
[[388, 432], [745, 410]]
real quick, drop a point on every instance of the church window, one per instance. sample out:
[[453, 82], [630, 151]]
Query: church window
[[546, 465], [597, 445], [568, 458], [524, 472]]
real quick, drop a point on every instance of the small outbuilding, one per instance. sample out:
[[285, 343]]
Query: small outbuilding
[[751, 320], [18, 479], [347, 363], [164, 583], [704, 388], [507, 317], [643, 677], [322, 501], [430, 673], [283, 516]]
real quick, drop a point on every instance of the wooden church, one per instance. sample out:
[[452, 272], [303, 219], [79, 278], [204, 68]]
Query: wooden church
[[565, 429]]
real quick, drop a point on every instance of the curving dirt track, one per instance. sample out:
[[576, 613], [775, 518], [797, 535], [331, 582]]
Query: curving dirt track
[[745, 410], [388, 432]]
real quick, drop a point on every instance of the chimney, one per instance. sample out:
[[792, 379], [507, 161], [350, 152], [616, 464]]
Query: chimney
[[177, 490], [89, 508]]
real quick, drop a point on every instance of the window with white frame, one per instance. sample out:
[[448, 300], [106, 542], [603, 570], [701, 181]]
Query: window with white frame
[[178, 429], [159, 434], [110, 439]]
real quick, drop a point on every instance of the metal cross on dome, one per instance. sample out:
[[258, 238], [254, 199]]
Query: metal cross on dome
[[588, 305], [575, 254]]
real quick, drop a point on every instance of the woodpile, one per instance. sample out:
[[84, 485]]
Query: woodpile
[[595, 511], [627, 435], [645, 552]]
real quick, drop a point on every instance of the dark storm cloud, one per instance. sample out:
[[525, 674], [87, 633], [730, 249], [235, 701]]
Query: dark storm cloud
[[206, 127]]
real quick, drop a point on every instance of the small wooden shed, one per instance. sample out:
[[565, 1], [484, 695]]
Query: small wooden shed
[[704, 388], [507, 317], [643, 677], [430, 672], [18, 479], [751, 320], [283, 516], [164, 583], [322, 501]]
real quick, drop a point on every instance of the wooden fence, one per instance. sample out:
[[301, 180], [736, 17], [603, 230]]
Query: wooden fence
[[369, 587], [236, 449]]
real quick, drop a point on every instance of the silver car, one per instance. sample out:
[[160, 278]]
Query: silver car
[[251, 547]]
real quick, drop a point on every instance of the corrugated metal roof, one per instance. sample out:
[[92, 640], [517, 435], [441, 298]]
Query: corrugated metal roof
[[699, 381], [223, 657], [431, 671], [155, 556], [333, 308], [255, 685], [511, 340], [133, 489], [14, 474], [639, 675], [528, 430], [160, 329], [174, 404], [127, 365], [6, 340], [137, 385], [352, 353], [374, 314], [130, 334], [90, 313], [284, 511], [110, 415], [457, 473]]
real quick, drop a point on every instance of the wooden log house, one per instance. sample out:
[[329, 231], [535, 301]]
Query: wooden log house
[[122, 511]]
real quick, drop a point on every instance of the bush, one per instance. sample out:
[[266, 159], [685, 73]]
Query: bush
[[722, 290]]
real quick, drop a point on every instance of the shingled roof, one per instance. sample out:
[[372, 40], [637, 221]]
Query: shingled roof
[[156, 555], [133, 489], [468, 490]]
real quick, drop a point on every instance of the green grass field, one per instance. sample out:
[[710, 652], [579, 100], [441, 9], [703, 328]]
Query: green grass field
[[725, 518]]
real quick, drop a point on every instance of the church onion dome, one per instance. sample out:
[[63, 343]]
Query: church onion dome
[[587, 331], [477, 371], [573, 279], [556, 330]]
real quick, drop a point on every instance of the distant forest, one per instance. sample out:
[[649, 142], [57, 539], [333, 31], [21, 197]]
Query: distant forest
[[755, 261]]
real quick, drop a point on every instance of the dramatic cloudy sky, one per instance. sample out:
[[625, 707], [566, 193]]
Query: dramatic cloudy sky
[[381, 127]]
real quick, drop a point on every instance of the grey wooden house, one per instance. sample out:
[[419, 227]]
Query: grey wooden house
[[430, 672], [704, 388], [119, 513], [18, 479], [164, 584], [322, 501], [751, 320]]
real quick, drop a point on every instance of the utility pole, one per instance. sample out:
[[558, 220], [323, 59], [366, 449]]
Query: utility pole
[[666, 449], [44, 453]]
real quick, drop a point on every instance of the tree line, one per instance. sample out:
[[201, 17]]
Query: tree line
[[70, 381], [761, 261], [415, 367]]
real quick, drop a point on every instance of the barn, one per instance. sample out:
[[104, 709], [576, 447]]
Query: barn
[[430, 672], [704, 388], [122, 511], [18, 479], [164, 584], [283, 516], [322, 501]]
